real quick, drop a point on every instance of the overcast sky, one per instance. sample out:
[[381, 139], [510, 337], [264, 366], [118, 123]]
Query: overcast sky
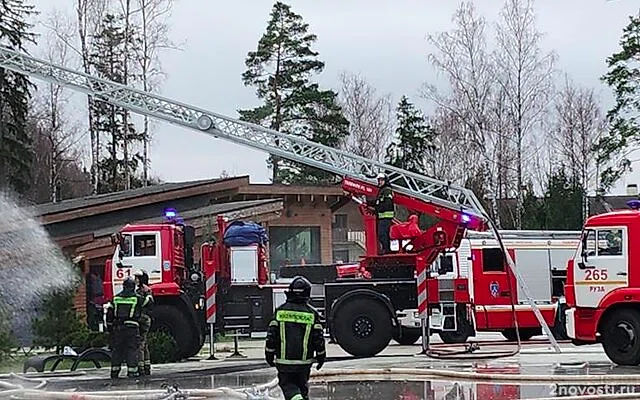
[[382, 40]]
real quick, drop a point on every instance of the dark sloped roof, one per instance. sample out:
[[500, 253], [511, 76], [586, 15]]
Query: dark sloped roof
[[212, 210], [88, 201]]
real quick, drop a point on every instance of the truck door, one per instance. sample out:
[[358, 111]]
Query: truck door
[[601, 265], [491, 286]]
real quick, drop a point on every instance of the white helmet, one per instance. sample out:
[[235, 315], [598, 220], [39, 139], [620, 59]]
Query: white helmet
[[381, 175]]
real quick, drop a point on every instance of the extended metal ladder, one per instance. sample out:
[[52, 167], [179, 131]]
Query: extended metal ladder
[[294, 148]]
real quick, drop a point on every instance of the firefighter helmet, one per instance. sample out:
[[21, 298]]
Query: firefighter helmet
[[142, 276], [300, 288], [381, 175]]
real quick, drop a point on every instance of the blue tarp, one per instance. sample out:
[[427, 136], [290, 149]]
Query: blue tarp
[[240, 233]]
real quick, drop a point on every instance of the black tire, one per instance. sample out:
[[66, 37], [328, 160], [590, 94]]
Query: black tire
[[409, 336], [363, 327], [460, 335], [621, 337], [171, 320], [198, 342], [525, 334], [449, 337]]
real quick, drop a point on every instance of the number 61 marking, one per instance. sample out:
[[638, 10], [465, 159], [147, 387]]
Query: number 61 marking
[[596, 275], [122, 272]]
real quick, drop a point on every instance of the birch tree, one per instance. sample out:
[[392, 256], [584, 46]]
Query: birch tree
[[89, 14], [59, 135], [525, 76], [579, 125], [461, 56], [154, 35], [370, 117]]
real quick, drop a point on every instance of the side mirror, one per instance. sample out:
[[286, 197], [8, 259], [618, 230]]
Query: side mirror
[[585, 250]]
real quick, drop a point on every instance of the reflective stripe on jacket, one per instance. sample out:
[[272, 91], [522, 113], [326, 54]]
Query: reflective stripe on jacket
[[295, 335]]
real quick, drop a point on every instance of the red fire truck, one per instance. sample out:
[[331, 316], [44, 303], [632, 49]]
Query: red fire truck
[[541, 258], [602, 288], [367, 308]]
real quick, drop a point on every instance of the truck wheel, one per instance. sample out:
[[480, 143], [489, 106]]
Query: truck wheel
[[197, 346], [525, 334], [172, 321], [363, 327], [409, 336], [460, 335], [621, 337]]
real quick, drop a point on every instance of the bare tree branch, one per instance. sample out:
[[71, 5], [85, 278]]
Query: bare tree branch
[[525, 77], [370, 117], [462, 58]]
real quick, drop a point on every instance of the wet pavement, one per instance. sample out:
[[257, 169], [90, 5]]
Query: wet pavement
[[534, 359]]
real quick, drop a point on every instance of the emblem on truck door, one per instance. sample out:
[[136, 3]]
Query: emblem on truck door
[[494, 288]]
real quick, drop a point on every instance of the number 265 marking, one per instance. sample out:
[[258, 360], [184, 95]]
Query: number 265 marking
[[595, 275]]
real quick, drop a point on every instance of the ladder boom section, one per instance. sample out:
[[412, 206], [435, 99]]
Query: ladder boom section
[[291, 147]]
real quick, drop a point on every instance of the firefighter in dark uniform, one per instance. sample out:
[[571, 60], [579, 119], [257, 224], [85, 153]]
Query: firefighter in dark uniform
[[144, 361], [293, 338], [123, 317], [384, 209]]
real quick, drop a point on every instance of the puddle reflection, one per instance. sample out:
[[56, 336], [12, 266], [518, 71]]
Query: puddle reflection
[[356, 388]]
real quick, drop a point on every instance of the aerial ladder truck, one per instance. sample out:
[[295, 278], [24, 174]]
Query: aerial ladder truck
[[456, 208]]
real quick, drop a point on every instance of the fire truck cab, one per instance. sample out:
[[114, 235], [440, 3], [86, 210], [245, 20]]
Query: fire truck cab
[[603, 293], [165, 252]]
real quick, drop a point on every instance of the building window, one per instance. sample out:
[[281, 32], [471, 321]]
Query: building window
[[339, 228], [340, 221], [492, 260], [294, 245], [144, 245], [341, 256]]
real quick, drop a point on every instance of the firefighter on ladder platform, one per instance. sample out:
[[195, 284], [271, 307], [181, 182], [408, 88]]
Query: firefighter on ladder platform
[[123, 316], [293, 337], [384, 209], [144, 360]]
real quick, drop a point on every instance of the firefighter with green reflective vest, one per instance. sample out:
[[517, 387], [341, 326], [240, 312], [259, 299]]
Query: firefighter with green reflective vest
[[294, 337], [144, 360], [123, 318], [384, 209]]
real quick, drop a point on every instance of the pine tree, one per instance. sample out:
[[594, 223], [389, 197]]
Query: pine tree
[[16, 150], [624, 117], [412, 146], [563, 202], [414, 139], [281, 70], [108, 61]]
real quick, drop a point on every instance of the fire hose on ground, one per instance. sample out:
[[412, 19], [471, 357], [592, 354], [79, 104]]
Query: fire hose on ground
[[261, 392]]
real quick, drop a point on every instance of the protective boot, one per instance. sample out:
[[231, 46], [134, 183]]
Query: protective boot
[[115, 372]]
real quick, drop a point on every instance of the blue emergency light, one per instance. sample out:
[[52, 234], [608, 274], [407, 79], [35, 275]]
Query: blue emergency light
[[633, 204], [466, 218], [170, 213]]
